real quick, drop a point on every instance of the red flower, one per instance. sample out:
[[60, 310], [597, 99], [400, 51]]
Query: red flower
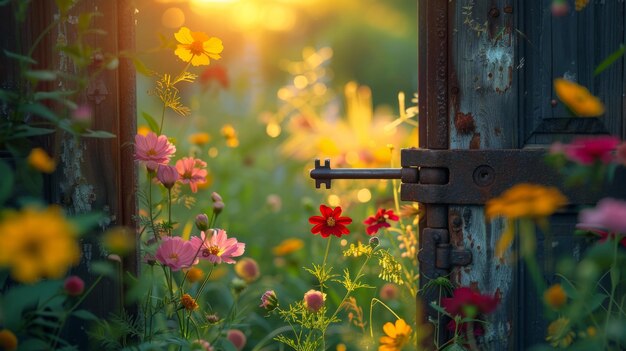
[[466, 302], [330, 222], [379, 220], [586, 151], [214, 72]]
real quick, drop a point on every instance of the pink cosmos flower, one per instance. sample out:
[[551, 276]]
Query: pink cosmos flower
[[191, 172], [609, 214], [218, 247], [177, 253], [379, 220], [587, 151], [167, 175], [153, 150], [269, 300]]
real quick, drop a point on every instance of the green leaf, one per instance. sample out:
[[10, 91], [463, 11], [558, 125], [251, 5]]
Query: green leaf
[[98, 134], [53, 95], [7, 95], [87, 221], [41, 111], [86, 315], [454, 347], [41, 75], [6, 182], [609, 60], [19, 57], [30, 178], [596, 301], [439, 309], [141, 67], [27, 131], [33, 345], [64, 5], [151, 122], [103, 268]]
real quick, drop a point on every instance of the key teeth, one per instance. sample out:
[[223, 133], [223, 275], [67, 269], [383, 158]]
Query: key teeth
[[319, 182]]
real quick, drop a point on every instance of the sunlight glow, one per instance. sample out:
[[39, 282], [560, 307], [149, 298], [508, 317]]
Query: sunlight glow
[[173, 17], [334, 200], [364, 195]]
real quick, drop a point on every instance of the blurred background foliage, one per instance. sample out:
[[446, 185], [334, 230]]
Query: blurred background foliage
[[297, 80]]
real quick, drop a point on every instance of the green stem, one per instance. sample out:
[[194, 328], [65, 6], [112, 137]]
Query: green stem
[[150, 213], [614, 282], [67, 313], [169, 210]]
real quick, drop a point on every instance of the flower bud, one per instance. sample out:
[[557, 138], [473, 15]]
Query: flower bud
[[374, 242], [237, 337], [238, 285], [202, 222], [218, 206], [314, 300], [212, 318], [216, 197], [167, 175], [8, 340], [269, 300], [247, 269], [74, 286]]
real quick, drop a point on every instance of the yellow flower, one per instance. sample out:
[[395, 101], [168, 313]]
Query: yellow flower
[[197, 47], [578, 99], [526, 200], [555, 296], [143, 130], [38, 243], [559, 333], [188, 302], [39, 160], [397, 336], [8, 340], [288, 246], [199, 138], [119, 240], [194, 274]]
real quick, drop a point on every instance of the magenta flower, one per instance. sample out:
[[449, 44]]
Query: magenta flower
[[468, 303], [237, 338], [191, 172], [269, 300], [218, 247], [177, 253], [587, 151], [379, 220], [620, 154], [74, 285], [314, 300], [609, 214], [167, 175], [153, 150]]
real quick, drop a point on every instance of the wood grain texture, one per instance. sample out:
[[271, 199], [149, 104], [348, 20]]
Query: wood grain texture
[[485, 69]]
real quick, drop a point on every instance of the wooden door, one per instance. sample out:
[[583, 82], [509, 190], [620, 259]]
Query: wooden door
[[486, 70], [94, 174]]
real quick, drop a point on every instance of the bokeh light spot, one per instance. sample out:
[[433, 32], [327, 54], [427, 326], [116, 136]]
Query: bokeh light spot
[[173, 17], [364, 195], [273, 129], [334, 200], [213, 152], [300, 82]]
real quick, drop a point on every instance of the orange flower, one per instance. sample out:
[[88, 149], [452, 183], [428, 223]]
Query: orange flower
[[8, 340], [526, 200], [578, 99], [194, 274], [197, 47], [199, 138], [188, 302], [397, 336], [555, 296], [39, 160], [288, 246]]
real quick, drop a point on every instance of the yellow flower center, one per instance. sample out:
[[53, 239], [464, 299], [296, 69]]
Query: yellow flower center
[[174, 257], [330, 222], [212, 250], [196, 48], [151, 152]]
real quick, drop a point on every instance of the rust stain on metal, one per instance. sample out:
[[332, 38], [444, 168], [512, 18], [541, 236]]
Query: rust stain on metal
[[494, 12], [475, 142], [508, 9], [497, 131], [464, 123]]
